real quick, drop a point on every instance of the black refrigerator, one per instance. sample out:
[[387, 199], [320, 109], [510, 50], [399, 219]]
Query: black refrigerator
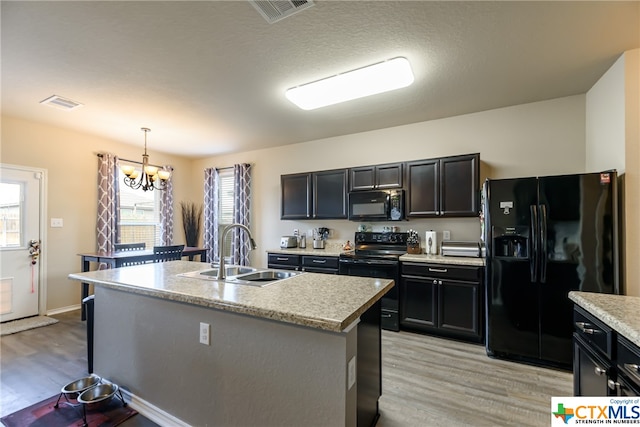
[[546, 236]]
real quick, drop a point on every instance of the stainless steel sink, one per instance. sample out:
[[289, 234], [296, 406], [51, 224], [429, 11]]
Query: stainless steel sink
[[266, 276], [243, 275], [232, 270]]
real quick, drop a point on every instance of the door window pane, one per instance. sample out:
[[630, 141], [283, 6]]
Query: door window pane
[[10, 215]]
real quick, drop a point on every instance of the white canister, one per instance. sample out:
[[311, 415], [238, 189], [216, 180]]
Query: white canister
[[431, 242]]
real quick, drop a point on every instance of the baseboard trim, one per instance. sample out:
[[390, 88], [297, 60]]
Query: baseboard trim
[[63, 310], [152, 412]]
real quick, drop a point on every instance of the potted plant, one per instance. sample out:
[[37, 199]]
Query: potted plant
[[413, 242], [192, 222]]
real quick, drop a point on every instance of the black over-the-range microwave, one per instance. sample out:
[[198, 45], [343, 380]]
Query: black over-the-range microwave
[[376, 205]]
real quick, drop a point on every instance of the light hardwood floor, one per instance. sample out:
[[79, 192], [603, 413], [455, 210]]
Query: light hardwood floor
[[426, 381]]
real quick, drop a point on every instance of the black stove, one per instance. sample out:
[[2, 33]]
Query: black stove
[[377, 255]]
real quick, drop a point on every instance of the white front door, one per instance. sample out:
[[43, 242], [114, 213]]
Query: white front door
[[21, 191]]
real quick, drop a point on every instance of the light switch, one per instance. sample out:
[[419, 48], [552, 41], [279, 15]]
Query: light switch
[[56, 222]]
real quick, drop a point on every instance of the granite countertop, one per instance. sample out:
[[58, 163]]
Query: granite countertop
[[439, 259], [619, 312], [322, 301]]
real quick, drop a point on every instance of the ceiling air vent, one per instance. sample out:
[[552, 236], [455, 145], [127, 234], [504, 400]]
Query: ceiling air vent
[[61, 103], [273, 11]]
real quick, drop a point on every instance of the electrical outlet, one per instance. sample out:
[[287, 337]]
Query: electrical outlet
[[56, 222], [296, 232], [446, 235], [205, 333]]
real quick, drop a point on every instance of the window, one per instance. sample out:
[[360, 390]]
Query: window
[[139, 215], [225, 202], [11, 214]]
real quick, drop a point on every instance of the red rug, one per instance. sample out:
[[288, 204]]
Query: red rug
[[43, 414]]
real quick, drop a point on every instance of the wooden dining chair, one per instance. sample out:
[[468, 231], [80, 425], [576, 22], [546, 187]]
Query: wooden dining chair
[[130, 246], [168, 253]]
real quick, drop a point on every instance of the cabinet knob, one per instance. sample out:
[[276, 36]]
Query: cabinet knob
[[599, 371], [435, 282], [613, 385]]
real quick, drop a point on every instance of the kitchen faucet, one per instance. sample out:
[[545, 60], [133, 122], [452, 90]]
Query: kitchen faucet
[[221, 238]]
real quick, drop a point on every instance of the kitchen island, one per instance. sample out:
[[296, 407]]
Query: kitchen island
[[299, 351]]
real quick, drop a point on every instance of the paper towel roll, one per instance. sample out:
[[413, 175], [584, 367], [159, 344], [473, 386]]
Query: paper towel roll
[[431, 242]]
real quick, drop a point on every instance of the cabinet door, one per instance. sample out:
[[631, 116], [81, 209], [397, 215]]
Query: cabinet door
[[458, 307], [330, 194], [295, 196], [460, 185], [418, 303], [423, 192], [389, 176], [590, 371], [363, 178]]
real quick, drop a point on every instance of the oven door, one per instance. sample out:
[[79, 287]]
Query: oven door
[[383, 269]]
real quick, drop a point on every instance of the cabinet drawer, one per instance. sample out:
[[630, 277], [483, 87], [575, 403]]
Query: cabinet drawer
[[442, 271], [320, 261], [629, 360], [593, 331], [283, 259]]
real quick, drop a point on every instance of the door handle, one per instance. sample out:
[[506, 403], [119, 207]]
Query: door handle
[[533, 238], [543, 243]]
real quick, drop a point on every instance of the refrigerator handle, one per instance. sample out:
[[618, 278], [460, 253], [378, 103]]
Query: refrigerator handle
[[543, 243], [533, 243]]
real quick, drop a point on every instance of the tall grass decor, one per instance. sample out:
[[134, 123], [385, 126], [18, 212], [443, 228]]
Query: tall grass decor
[[192, 222]]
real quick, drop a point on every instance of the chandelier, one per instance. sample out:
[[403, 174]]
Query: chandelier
[[152, 176]]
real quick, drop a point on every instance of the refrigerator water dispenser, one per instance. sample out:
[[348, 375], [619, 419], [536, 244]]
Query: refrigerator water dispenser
[[512, 242]]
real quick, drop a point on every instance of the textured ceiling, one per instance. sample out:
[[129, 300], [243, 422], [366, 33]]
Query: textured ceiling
[[208, 77]]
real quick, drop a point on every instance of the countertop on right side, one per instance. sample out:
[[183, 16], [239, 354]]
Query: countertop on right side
[[439, 259], [620, 312]]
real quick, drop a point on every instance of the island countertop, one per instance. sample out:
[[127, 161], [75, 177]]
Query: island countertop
[[619, 312], [321, 301]]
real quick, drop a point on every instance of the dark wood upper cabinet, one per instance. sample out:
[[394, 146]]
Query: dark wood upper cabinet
[[314, 195], [376, 177], [423, 192], [330, 194], [460, 185], [448, 186], [296, 196]]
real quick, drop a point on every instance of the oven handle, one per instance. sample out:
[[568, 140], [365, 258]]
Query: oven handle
[[377, 262]]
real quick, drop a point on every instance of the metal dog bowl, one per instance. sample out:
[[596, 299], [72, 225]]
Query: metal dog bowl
[[76, 387], [98, 394]]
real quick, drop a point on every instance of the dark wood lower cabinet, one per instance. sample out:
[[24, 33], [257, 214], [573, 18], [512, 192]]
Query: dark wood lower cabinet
[[443, 300], [604, 362]]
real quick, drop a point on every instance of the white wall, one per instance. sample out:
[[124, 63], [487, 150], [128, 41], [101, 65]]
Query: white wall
[[541, 138], [613, 137], [605, 124]]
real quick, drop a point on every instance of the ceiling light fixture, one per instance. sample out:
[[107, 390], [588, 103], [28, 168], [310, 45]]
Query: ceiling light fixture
[[377, 78], [152, 177]]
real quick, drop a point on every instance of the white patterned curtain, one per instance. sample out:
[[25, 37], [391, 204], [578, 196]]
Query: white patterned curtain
[[211, 185], [108, 227], [240, 244], [166, 211]]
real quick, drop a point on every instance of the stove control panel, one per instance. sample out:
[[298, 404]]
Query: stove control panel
[[381, 238]]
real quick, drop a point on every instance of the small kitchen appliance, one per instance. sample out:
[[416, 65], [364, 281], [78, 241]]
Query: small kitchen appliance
[[288, 242]]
